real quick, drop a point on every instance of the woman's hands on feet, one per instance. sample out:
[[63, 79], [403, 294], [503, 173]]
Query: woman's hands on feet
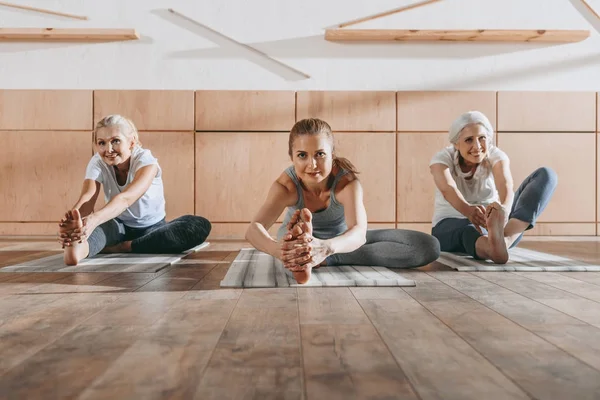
[[300, 250], [478, 215]]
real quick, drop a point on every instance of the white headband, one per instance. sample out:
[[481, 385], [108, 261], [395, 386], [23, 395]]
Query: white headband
[[468, 118]]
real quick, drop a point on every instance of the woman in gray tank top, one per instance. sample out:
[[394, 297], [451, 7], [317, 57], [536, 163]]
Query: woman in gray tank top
[[326, 220]]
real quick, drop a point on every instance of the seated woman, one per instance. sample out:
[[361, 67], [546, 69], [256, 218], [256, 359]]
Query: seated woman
[[326, 221], [475, 190], [133, 219]]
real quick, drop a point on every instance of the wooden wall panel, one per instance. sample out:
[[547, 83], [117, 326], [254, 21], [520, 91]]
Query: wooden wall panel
[[547, 111], [42, 173], [30, 229], [235, 110], [416, 189], [562, 229], [175, 154], [45, 110], [350, 111], [575, 196], [376, 167], [150, 110], [234, 172], [435, 111]]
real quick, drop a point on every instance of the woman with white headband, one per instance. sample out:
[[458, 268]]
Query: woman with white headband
[[475, 190]]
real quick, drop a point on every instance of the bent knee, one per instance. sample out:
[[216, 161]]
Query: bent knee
[[429, 247], [548, 175]]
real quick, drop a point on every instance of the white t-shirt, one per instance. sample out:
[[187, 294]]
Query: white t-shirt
[[148, 209], [479, 190]]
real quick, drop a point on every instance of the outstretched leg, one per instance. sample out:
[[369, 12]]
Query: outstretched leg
[[177, 236], [392, 248], [530, 200]]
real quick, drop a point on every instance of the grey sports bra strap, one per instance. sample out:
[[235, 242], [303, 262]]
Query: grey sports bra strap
[[338, 177]]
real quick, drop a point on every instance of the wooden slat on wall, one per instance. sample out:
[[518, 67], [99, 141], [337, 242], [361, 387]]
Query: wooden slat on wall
[[46, 110], [175, 154], [377, 173], [150, 110], [42, 173], [234, 171], [234, 110], [416, 189], [575, 196], [435, 111], [350, 111], [547, 111]]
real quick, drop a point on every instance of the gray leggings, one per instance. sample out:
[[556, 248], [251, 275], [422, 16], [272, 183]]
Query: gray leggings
[[392, 248], [176, 236]]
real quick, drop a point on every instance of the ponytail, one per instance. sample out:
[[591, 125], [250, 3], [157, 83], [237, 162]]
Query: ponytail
[[345, 164]]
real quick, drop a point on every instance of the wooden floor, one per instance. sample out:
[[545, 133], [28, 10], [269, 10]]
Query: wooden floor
[[174, 334]]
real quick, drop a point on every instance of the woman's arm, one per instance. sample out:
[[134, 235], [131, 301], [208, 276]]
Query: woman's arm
[[88, 197], [278, 198], [504, 183], [447, 186], [351, 197], [140, 184]]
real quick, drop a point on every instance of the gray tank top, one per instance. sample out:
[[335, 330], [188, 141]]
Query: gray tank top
[[327, 223]]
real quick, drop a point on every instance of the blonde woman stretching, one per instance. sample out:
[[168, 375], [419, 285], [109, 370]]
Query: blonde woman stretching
[[133, 219], [475, 190], [326, 221]]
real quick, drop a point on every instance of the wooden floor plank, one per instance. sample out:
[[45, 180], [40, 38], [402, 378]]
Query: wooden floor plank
[[568, 303], [24, 334], [570, 334], [258, 354], [66, 367], [169, 358], [566, 283], [212, 280], [538, 367], [345, 359], [438, 363], [589, 277], [126, 281]]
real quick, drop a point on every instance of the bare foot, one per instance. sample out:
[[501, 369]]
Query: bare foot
[[75, 251], [305, 224], [495, 217], [123, 247]]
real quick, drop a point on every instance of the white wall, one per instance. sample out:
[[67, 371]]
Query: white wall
[[170, 57]]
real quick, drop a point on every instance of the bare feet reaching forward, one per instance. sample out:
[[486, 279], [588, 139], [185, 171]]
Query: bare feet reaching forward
[[495, 218], [75, 250]]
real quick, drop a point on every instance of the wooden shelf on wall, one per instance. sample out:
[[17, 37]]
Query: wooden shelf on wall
[[473, 35], [66, 34]]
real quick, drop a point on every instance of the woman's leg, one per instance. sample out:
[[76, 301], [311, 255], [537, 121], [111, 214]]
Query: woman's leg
[[457, 235], [530, 200], [176, 236], [108, 234], [392, 248]]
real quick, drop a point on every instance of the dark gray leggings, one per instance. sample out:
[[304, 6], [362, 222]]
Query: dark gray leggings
[[392, 248], [176, 236]]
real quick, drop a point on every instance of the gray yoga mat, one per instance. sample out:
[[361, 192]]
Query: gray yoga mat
[[519, 260], [255, 269], [117, 262]]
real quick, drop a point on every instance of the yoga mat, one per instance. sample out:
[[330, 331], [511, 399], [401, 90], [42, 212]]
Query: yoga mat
[[115, 262], [255, 269], [519, 260]]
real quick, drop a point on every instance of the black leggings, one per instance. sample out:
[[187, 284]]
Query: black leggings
[[176, 236]]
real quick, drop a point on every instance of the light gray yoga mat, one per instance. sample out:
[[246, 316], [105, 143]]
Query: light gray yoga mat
[[255, 269], [117, 262], [519, 260]]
